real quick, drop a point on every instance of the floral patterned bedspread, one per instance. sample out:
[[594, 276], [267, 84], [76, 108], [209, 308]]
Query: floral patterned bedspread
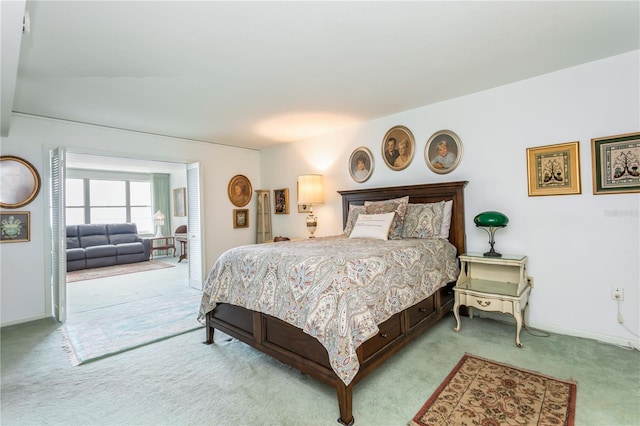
[[335, 289]]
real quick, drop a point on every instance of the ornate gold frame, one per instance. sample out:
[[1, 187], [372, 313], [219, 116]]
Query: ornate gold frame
[[20, 182]]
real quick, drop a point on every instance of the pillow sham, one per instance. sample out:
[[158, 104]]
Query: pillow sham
[[446, 219], [423, 220], [354, 211], [372, 226], [397, 205]]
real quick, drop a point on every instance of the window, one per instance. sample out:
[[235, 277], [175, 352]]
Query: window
[[109, 201]]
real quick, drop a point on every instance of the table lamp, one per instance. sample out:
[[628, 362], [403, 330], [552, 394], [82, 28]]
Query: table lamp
[[491, 222], [158, 219], [310, 192]]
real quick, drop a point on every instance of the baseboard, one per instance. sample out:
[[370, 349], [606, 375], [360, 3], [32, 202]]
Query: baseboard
[[24, 320], [631, 342]]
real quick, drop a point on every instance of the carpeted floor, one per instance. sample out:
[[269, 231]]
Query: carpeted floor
[[110, 271], [485, 392], [95, 334]]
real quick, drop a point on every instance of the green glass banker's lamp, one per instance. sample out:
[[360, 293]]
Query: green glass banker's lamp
[[491, 222]]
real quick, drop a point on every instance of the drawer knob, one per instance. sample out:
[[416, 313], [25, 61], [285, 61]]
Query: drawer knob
[[423, 310], [484, 303], [383, 335]]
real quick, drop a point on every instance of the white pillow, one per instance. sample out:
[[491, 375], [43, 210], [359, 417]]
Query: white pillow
[[372, 226], [446, 220]]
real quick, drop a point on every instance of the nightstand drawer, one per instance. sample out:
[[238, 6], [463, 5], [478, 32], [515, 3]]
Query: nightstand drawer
[[486, 304]]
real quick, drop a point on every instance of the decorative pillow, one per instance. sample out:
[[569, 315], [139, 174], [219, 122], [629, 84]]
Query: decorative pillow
[[372, 226], [354, 211], [446, 220], [423, 220], [397, 205]]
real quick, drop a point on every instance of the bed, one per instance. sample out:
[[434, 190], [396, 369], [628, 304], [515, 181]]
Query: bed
[[336, 338]]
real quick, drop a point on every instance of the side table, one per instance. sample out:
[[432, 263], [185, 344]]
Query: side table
[[163, 243], [497, 284]]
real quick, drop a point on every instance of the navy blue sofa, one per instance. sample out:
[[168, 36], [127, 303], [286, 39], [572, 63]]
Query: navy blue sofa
[[97, 245]]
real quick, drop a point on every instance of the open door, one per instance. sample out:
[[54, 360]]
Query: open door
[[57, 160], [194, 226]]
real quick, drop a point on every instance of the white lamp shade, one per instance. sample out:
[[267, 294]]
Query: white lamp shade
[[310, 189], [159, 216]]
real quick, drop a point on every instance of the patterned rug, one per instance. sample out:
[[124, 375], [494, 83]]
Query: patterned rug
[[110, 271], [98, 333], [487, 393]]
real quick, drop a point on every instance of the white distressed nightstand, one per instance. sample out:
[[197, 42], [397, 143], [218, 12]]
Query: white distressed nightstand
[[497, 284]]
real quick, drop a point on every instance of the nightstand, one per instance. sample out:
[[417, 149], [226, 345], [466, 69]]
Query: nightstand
[[497, 284]]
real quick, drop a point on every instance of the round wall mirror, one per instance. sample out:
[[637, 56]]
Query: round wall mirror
[[20, 182]]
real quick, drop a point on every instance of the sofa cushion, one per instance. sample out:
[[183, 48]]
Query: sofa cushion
[[93, 235], [72, 237], [122, 233], [75, 254], [100, 251], [129, 248]]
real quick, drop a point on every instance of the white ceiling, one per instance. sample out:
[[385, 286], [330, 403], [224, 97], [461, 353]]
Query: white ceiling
[[254, 74]]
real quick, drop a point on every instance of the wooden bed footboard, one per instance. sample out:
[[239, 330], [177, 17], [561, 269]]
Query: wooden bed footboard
[[293, 347]]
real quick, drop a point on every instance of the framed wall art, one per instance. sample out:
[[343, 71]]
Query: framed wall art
[[15, 227], [281, 197], [239, 190], [554, 169], [616, 164], [361, 164], [240, 218], [20, 182], [398, 147], [180, 202], [443, 152]]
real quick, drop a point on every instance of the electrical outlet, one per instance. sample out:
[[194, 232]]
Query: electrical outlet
[[530, 281], [617, 293]]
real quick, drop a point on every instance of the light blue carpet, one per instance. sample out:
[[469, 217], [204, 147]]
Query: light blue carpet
[[98, 333]]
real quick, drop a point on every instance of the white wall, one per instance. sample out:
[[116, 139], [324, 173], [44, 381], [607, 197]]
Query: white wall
[[24, 275], [578, 245]]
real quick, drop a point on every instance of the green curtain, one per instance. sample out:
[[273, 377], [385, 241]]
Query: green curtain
[[161, 199]]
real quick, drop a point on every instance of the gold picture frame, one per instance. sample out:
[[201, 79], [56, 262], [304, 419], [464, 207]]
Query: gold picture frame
[[281, 201], [554, 169], [616, 164], [15, 227], [361, 164], [240, 218], [239, 190], [180, 202], [396, 139], [443, 152], [20, 182]]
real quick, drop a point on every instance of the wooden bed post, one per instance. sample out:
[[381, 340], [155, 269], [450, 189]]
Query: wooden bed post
[[345, 399]]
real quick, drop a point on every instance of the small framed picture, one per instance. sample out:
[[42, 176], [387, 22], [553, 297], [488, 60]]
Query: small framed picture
[[361, 164], [616, 164], [443, 152], [398, 146], [15, 227], [281, 197], [240, 218], [180, 202], [239, 190], [554, 169]]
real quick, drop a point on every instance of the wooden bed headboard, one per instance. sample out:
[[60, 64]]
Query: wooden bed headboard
[[426, 193]]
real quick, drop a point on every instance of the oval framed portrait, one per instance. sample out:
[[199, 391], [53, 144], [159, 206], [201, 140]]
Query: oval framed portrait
[[239, 190], [361, 164], [398, 147], [20, 182], [443, 152]]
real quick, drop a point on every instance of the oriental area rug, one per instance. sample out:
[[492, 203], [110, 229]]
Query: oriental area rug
[[110, 271], [487, 393]]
